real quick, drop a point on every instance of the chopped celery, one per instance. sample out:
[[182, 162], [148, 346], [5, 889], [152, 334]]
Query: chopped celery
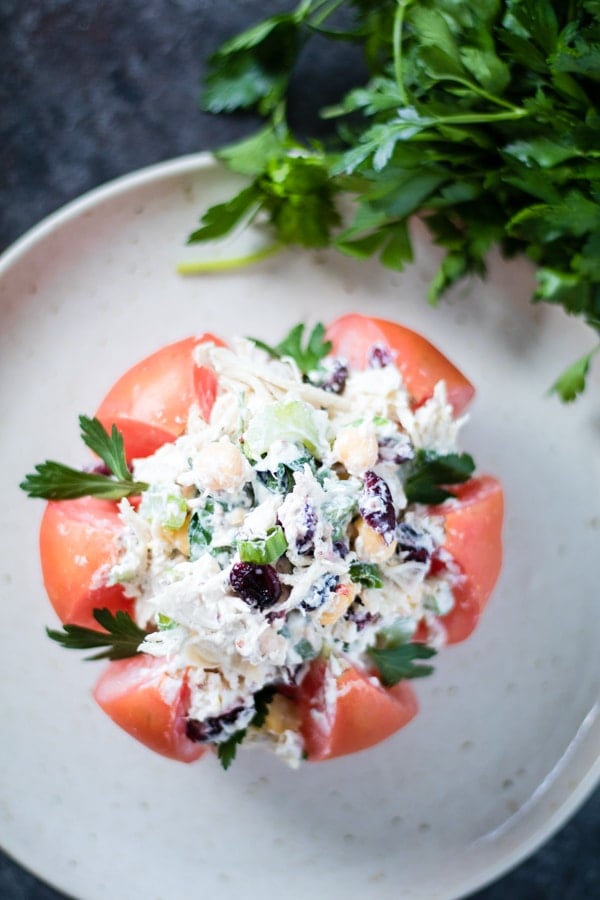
[[293, 421], [164, 505]]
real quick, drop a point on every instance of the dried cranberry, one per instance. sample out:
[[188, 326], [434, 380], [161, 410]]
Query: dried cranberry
[[212, 727], [395, 449], [319, 591], [414, 545], [377, 507], [306, 530], [259, 586], [359, 615], [341, 548], [380, 356], [337, 377]]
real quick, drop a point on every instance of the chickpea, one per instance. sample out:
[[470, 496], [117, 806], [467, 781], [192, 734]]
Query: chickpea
[[370, 545], [356, 448], [221, 467], [345, 594], [282, 716]]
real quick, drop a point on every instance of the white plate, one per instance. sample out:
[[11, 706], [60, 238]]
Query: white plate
[[507, 742]]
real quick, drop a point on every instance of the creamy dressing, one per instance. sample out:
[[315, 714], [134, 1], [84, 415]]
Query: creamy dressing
[[283, 456]]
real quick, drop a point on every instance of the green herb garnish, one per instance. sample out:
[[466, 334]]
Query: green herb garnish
[[306, 358], [428, 470], [482, 117], [122, 636], [367, 574], [399, 662], [55, 481], [227, 750]]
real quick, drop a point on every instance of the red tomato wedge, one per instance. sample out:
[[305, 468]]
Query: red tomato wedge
[[473, 523], [363, 713], [77, 546], [148, 704], [420, 363], [150, 403]]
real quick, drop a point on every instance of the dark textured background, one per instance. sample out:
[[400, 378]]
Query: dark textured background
[[92, 89]]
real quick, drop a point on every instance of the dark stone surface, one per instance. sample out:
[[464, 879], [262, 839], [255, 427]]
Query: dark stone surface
[[92, 89]]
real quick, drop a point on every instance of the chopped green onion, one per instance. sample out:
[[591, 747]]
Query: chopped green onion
[[263, 551]]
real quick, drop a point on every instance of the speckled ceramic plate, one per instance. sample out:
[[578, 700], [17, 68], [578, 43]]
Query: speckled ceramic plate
[[507, 742]]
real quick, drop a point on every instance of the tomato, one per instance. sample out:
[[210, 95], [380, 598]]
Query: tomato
[[473, 524], [77, 546], [364, 712], [149, 404], [420, 363], [148, 704]]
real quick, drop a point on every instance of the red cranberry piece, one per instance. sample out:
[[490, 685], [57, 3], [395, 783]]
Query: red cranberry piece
[[377, 507], [380, 356], [212, 727], [414, 545], [336, 380], [305, 542], [258, 586]]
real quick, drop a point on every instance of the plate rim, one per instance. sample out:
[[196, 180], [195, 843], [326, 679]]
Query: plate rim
[[587, 782]]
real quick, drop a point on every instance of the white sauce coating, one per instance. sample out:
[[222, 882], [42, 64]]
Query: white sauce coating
[[282, 454]]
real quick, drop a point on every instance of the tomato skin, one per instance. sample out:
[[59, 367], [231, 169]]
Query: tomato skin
[[473, 525], [78, 543], [365, 712], [150, 403], [420, 363], [149, 705]]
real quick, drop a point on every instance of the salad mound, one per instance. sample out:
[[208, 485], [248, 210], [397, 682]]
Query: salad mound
[[284, 567]]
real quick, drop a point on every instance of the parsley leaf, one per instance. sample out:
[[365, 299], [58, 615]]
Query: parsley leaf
[[55, 481], [122, 636], [572, 381], [308, 357], [227, 750], [428, 470], [483, 118], [367, 574], [396, 663]]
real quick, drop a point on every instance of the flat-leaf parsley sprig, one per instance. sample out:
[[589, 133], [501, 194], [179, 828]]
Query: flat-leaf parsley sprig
[[481, 117], [55, 481], [121, 637]]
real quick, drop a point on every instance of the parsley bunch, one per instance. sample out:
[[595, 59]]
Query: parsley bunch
[[482, 116]]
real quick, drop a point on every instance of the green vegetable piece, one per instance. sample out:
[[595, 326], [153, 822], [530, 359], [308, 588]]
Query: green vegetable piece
[[166, 507], [367, 574], [305, 649], [200, 530], [306, 358], [55, 481], [122, 636], [263, 551], [227, 750], [572, 381], [396, 663], [292, 421], [428, 470]]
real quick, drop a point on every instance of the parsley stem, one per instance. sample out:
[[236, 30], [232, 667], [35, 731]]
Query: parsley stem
[[324, 14], [397, 44], [222, 265], [480, 91]]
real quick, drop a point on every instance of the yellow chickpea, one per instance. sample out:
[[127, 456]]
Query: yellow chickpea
[[344, 597], [356, 448], [221, 467], [370, 545], [282, 715]]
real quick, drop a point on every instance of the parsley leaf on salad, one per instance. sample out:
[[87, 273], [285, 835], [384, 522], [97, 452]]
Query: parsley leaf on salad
[[55, 481], [482, 118], [307, 357], [429, 472], [122, 637], [397, 663]]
